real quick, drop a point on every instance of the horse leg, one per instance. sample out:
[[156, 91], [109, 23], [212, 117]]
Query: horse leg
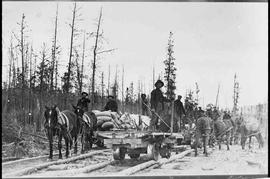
[[76, 144], [249, 143], [91, 139], [228, 141], [50, 137], [60, 146], [219, 143], [260, 140], [51, 148], [82, 141], [196, 143], [243, 142], [231, 137], [67, 146], [205, 144]]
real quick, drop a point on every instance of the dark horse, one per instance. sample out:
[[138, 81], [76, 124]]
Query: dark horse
[[87, 127], [63, 124], [203, 130], [223, 128]]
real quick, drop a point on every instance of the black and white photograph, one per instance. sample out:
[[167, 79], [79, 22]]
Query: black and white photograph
[[150, 89]]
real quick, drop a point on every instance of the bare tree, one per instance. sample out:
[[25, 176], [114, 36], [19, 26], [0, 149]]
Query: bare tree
[[97, 49], [71, 45], [102, 89], [54, 49], [109, 80], [123, 103], [95, 56], [83, 55], [115, 85], [79, 80], [22, 48]]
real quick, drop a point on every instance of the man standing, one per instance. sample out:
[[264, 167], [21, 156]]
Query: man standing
[[179, 111], [144, 104], [83, 102], [111, 104], [157, 104], [215, 113]]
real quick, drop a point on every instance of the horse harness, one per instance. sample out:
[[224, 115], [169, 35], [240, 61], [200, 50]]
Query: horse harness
[[64, 120], [86, 119], [253, 134]]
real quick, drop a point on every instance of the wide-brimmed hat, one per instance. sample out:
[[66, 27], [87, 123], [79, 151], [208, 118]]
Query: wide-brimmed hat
[[85, 93], [159, 81], [110, 96]]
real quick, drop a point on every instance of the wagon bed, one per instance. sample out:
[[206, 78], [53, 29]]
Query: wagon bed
[[134, 142]]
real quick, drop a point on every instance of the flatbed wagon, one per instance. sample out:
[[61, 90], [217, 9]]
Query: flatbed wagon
[[133, 143]]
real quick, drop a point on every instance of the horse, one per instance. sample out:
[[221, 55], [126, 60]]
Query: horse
[[52, 128], [248, 128], [70, 125], [87, 127], [203, 130], [223, 128], [237, 119]]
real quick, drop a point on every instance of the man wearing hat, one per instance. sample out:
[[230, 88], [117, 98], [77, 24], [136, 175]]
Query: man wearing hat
[[83, 102], [179, 111], [111, 104], [157, 104], [215, 113], [144, 104]]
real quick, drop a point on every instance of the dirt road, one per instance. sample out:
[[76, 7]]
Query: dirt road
[[220, 162]]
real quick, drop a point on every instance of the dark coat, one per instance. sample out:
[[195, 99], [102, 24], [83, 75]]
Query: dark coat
[[111, 105], [83, 103], [179, 108], [157, 97], [144, 103]]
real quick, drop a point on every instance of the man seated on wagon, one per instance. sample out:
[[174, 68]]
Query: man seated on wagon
[[83, 102], [111, 104]]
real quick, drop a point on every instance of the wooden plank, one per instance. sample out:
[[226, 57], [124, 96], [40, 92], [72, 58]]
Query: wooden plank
[[137, 168], [30, 170]]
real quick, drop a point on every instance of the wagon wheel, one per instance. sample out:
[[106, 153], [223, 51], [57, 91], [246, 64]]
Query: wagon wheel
[[99, 143], [153, 150], [134, 156], [165, 152], [119, 153]]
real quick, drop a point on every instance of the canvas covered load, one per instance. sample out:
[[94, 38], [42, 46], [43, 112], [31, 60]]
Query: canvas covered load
[[107, 120]]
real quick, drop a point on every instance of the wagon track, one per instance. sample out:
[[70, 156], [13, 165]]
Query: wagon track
[[100, 165], [32, 165]]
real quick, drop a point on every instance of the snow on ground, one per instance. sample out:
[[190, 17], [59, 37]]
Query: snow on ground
[[220, 162]]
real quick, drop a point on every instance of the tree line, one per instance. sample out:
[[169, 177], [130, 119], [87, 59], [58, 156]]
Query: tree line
[[34, 79]]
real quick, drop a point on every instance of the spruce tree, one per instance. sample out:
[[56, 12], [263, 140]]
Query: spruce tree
[[170, 70]]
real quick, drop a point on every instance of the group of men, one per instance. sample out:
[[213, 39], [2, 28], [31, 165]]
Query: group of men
[[182, 113], [110, 105]]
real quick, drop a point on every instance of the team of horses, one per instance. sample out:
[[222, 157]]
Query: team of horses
[[229, 130], [69, 125]]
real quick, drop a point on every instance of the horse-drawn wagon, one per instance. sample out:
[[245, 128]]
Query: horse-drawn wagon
[[134, 143]]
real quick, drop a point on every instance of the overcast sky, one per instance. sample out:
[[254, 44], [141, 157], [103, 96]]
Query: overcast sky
[[213, 41]]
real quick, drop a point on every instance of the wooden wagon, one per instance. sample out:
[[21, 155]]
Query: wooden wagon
[[134, 143]]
